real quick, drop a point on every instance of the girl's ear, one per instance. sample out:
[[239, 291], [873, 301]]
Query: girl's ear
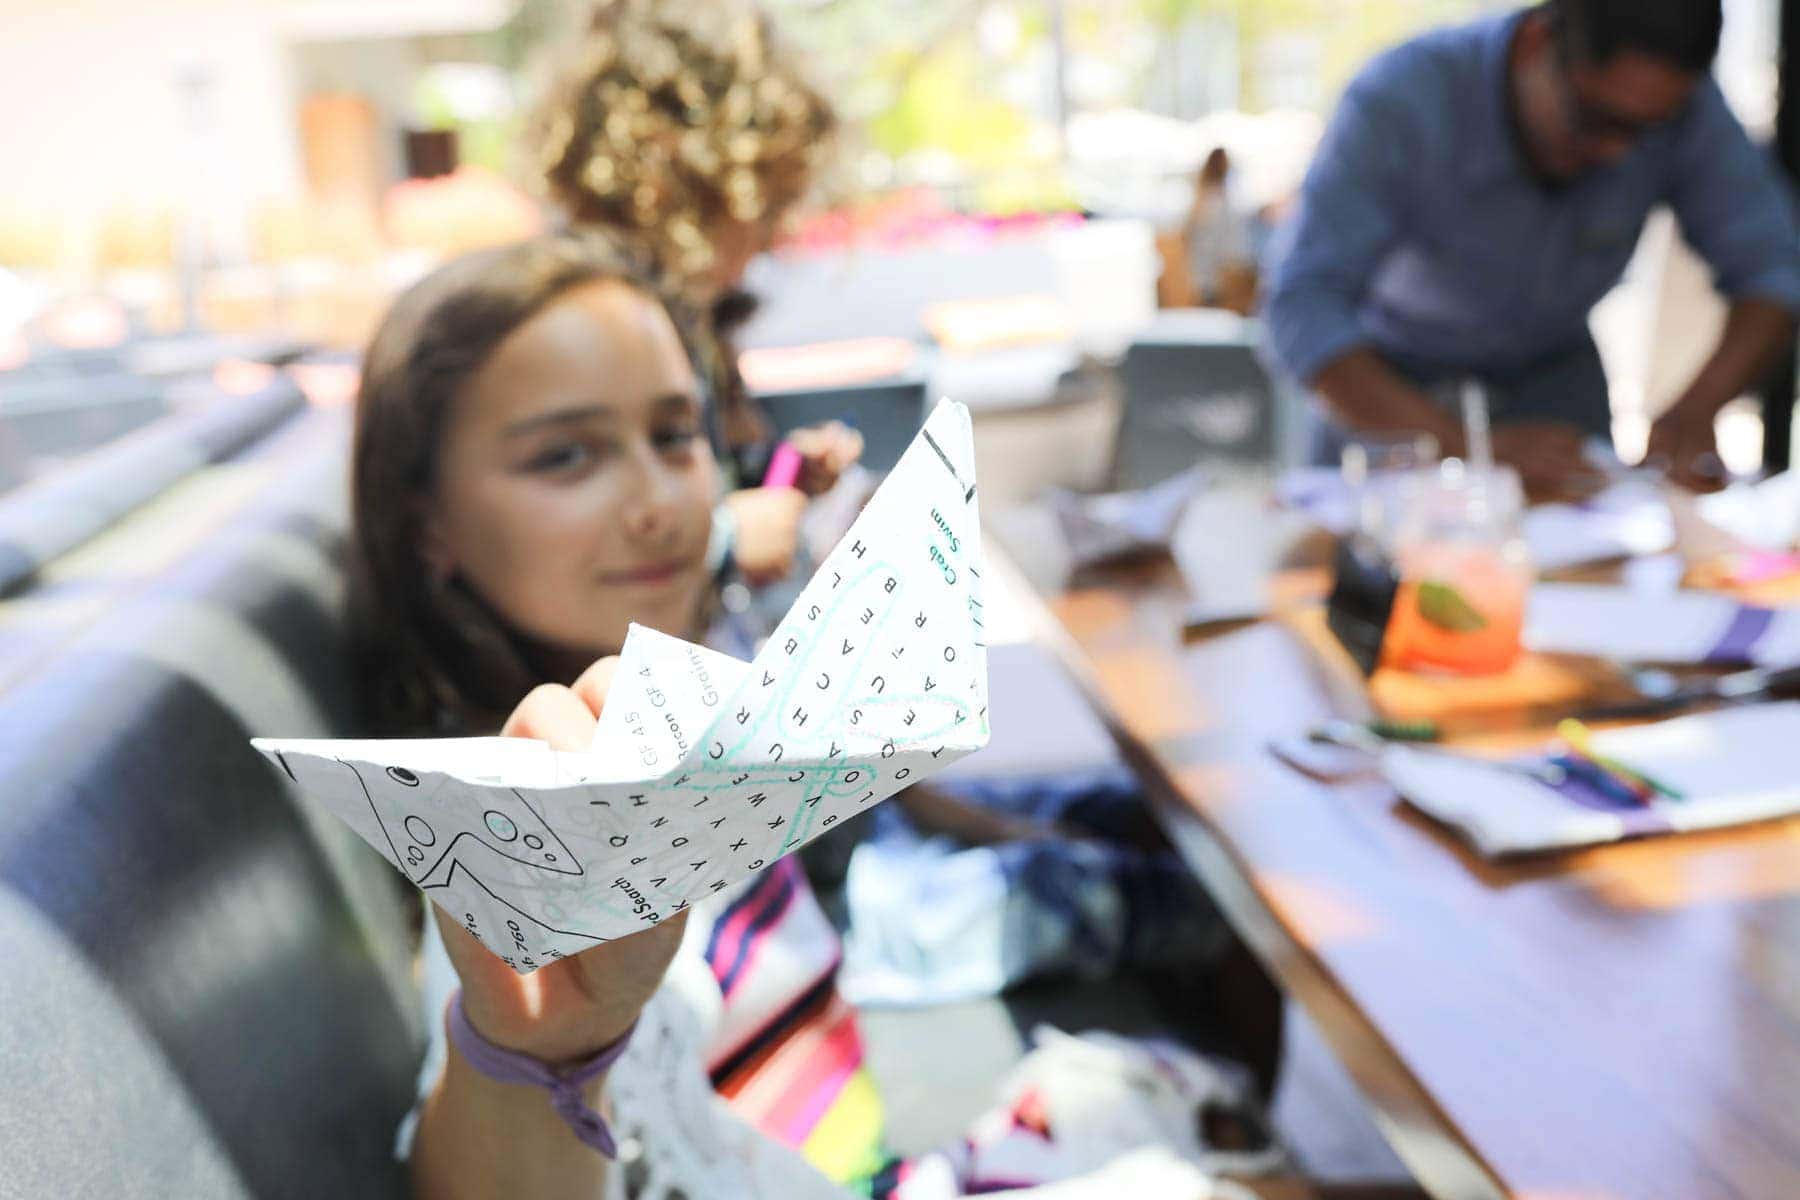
[[434, 546]]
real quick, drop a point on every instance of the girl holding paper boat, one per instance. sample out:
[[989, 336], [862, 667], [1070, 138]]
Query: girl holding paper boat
[[531, 478]]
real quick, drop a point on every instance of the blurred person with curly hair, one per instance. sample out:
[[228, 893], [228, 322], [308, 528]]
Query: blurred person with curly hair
[[686, 127]]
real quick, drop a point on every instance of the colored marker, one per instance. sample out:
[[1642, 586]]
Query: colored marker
[[784, 467], [1581, 739], [1595, 769], [1581, 749], [1405, 731], [1598, 778]]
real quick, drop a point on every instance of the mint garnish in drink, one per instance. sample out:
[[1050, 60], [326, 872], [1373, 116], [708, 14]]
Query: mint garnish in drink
[[1442, 605]]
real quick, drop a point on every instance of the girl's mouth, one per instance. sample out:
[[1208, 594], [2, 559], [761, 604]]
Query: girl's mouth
[[649, 575]]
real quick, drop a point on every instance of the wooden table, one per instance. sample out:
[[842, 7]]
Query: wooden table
[[1620, 1023]]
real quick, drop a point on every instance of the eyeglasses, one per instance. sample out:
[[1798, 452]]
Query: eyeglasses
[[1593, 121], [1589, 119]]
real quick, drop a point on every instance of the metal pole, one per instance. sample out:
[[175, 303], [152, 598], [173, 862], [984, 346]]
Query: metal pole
[[1059, 41], [1779, 392], [193, 244]]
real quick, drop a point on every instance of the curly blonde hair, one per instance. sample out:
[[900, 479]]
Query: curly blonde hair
[[676, 115]]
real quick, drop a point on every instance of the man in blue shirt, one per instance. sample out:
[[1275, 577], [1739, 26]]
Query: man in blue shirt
[[1481, 187]]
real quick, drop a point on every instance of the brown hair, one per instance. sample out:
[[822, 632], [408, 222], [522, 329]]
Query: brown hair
[[1216, 167], [431, 653]]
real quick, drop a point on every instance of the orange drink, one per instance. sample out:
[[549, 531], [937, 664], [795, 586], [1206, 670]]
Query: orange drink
[[1459, 609], [1464, 576]]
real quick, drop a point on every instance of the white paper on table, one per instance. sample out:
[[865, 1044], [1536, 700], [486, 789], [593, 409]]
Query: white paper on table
[[1731, 766], [1765, 515], [1096, 528], [1322, 494], [1629, 517], [1607, 621], [703, 769], [1227, 575]]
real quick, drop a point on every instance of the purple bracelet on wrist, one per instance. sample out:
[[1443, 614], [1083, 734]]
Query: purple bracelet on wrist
[[564, 1085]]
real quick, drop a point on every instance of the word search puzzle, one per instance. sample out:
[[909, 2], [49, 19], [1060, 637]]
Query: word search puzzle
[[703, 769]]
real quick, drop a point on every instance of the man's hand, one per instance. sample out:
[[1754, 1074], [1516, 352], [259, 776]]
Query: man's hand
[[1549, 458], [1684, 445]]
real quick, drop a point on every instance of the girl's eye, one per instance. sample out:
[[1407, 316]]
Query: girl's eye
[[673, 437], [560, 458]]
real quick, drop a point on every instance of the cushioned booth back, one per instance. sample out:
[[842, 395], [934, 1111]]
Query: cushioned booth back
[[206, 983], [47, 518]]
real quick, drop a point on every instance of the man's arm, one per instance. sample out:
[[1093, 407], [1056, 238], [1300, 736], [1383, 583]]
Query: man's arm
[[1351, 210], [936, 812], [1736, 213], [1365, 393], [1757, 332]]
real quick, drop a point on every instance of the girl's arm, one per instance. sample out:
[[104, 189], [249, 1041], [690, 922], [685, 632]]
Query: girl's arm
[[933, 811], [479, 1138]]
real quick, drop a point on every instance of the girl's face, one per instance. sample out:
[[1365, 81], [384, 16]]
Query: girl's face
[[575, 483]]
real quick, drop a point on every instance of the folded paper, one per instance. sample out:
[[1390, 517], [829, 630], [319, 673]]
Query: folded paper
[[703, 769], [1097, 529], [1611, 621]]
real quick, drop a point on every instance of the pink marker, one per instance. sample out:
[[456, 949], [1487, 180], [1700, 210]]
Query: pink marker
[[1761, 566], [784, 467]]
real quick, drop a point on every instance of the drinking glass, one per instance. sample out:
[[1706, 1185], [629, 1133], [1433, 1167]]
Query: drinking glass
[[1464, 574], [1383, 472]]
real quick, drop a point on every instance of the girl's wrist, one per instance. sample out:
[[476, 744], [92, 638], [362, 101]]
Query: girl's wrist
[[461, 1076], [566, 1041], [499, 1075]]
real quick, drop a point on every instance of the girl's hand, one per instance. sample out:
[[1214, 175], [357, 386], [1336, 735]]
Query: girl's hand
[[826, 452], [768, 531], [569, 1008]]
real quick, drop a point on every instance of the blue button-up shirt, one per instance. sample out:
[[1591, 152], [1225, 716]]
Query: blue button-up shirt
[[1421, 232]]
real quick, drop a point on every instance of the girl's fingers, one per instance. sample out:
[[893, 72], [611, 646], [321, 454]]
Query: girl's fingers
[[828, 449], [849, 449], [487, 982], [554, 714], [595, 682]]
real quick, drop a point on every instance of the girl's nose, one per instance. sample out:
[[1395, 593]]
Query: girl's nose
[[650, 506]]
